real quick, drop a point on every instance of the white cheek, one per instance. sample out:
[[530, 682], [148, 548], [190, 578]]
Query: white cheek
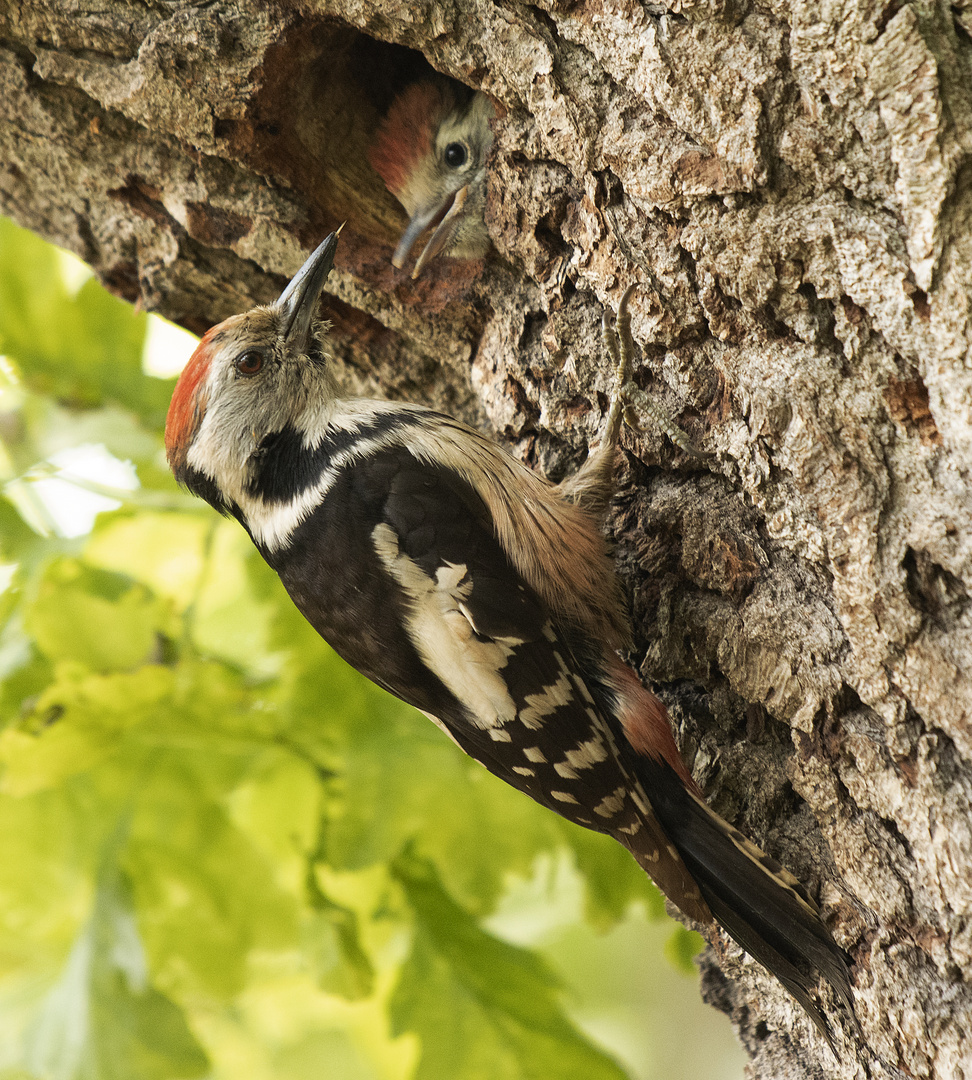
[[223, 446], [234, 423], [241, 413]]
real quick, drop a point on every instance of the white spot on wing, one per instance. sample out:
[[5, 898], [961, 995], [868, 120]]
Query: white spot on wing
[[611, 804], [547, 701], [587, 753]]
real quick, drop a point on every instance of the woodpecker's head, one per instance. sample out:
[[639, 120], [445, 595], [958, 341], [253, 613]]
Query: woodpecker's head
[[431, 152], [251, 378]]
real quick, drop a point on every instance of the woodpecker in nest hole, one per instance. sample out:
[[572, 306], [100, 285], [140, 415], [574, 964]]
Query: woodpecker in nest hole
[[465, 584], [431, 152]]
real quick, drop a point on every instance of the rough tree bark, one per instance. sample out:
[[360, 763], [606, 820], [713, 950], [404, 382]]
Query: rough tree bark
[[788, 182]]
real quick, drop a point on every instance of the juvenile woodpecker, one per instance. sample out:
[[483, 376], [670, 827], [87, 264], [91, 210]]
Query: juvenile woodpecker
[[462, 582], [431, 152]]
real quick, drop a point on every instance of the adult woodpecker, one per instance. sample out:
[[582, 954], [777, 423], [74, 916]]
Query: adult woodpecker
[[456, 578], [431, 152]]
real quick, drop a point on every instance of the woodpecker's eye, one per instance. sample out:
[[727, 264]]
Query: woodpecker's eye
[[455, 155], [249, 363]]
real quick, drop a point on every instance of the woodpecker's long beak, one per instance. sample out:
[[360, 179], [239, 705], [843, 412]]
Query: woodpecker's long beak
[[298, 302]]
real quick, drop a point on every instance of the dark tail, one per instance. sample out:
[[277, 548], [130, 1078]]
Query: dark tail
[[759, 904]]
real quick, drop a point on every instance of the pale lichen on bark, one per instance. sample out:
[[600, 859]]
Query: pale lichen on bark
[[788, 186]]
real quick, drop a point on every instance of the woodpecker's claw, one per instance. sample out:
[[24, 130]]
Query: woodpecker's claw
[[629, 399]]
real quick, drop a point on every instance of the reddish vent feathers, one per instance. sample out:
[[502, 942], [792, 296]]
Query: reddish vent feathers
[[646, 724], [406, 133], [188, 405]]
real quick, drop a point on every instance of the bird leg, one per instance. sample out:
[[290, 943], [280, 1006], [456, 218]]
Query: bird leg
[[592, 486], [630, 400], [619, 345]]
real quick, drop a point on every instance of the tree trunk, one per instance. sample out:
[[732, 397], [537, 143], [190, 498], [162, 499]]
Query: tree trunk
[[787, 186]]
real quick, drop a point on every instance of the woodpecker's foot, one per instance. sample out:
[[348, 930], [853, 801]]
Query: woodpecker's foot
[[630, 402], [619, 345]]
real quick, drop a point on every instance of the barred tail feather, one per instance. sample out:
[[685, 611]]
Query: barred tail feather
[[658, 857], [758, 903]]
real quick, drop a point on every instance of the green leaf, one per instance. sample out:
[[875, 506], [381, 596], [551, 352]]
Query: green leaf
[[96, 618], [24, 672], [332, 939], [76, 723], [482, 1008], [198, 562], [15, 534], [104, 1020], [209, 897], [82, 349], [682, 947]]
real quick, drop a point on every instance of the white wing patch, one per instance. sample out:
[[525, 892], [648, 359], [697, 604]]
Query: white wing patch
[[445, 638]]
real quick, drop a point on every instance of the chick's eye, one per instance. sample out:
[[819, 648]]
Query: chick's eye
[[249, 363], [455, 155]]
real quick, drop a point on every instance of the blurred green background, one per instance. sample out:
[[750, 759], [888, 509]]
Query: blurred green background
[[222, 853]]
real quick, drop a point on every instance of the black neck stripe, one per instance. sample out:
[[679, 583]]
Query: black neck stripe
[[204, 486], [284, 467]]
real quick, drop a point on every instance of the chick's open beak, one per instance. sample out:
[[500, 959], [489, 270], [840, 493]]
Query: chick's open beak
[[441, 239], [447, 211]]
